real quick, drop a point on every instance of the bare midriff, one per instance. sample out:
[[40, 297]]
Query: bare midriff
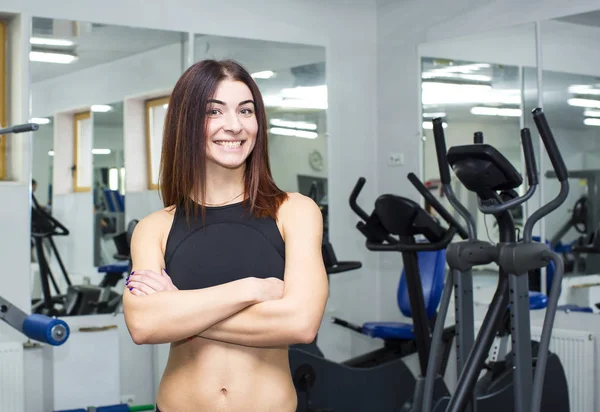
[[207, 375]]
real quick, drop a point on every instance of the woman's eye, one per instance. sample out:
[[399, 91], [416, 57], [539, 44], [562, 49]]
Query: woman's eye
[[212, 112], [247, 111]]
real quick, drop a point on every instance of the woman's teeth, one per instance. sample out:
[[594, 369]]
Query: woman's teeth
[[228, 143]]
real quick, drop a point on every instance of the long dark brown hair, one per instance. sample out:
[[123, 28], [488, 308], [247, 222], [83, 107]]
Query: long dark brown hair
[[182, 174]]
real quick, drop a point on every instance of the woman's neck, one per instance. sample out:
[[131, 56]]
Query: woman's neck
[[224, 186]]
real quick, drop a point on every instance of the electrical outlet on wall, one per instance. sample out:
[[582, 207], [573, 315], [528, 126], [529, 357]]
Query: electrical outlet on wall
[[395, 159]]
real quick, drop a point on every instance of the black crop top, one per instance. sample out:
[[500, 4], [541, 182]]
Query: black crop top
[[231, 245]]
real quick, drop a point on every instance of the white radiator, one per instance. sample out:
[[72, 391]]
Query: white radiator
[[12, 391], [576, 351]]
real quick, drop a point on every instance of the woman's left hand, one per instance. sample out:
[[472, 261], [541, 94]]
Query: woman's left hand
[[147, 282]]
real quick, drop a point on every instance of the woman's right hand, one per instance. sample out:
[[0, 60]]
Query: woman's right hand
[[269, 289]]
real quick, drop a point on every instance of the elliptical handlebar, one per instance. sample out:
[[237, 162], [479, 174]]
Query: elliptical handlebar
[[529, 157], [20, 128], [440, 148], [444, 167], [558, 163], [443, 212], [559, 167]]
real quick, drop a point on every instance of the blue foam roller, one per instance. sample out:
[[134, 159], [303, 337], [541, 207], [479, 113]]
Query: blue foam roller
[[123, 407], [46, 329]]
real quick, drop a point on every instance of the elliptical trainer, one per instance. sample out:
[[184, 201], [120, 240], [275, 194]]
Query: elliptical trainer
[[485, 171]]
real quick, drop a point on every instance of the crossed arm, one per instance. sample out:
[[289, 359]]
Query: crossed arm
[[234, 312]]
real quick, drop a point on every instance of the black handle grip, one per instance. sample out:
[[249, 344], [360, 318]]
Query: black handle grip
[[478, 138], [354, 195], [529, 157], [546, 134], [20, 128], [440, 149], [437, 205]]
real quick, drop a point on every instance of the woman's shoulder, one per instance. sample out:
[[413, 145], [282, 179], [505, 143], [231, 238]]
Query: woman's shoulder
[[299, 208], [158, 222]]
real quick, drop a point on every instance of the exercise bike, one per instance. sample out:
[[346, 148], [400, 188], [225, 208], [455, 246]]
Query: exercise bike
[[510, 383], [385, 381]]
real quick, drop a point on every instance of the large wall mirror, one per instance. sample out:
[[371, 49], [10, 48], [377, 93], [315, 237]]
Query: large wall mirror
[[81, 74], [481, 83], [571, 98], [108, 182]]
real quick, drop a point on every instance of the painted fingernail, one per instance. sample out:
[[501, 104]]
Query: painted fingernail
[[127, 283], [132, 273], [130, 288]]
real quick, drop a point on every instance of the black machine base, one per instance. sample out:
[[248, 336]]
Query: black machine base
[[440, 391], [499, 394], [331, 386]]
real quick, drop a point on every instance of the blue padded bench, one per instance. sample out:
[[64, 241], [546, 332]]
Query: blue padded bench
[[432, 269]]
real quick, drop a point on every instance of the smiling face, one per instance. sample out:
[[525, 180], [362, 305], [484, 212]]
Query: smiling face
[[231, 125]]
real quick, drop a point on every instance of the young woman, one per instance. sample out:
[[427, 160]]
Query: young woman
[[230, 272]]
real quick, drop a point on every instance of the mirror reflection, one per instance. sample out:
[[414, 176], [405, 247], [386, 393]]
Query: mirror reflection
[[109, 183], [571, 93], [481, 83], [86, 183], [80, 247]]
